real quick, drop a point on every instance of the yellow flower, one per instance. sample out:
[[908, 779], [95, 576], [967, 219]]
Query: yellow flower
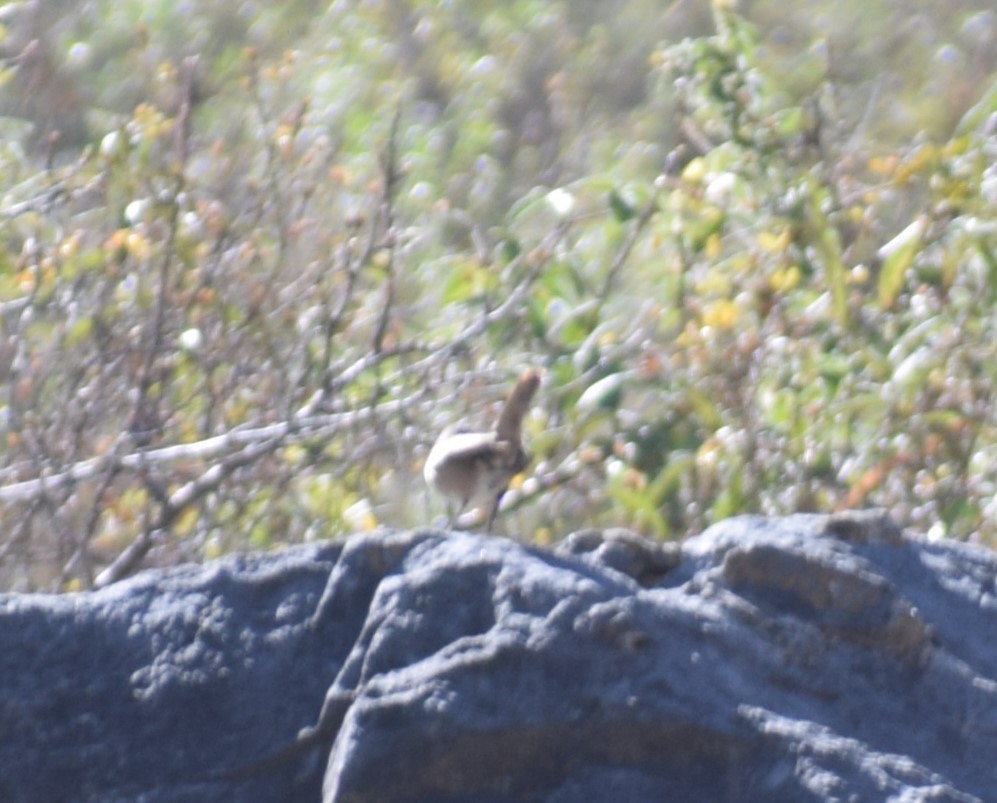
[[694, 171], [774, 243], [785, 279], [720, 314]]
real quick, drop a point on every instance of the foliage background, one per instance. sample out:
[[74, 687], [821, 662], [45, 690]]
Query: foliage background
[[254, 256]]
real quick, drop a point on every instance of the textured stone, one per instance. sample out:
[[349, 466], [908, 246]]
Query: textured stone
[[803, 658]]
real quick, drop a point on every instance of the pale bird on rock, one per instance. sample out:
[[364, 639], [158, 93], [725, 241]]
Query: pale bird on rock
[[472, 466]]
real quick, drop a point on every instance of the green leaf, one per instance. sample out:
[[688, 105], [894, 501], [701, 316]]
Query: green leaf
[[730, 501], [825, 239], [780, 409], [789, 122], [705, 408], [511, 249], [680, 463], [80, 330], [621, 209], [640, 507], [833, 367]]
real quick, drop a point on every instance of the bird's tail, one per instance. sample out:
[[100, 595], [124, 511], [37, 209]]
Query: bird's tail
[[510, 423]]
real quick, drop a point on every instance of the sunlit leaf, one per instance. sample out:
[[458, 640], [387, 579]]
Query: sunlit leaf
[[974, 119], [604, 393], [789, 122], [897, 256]]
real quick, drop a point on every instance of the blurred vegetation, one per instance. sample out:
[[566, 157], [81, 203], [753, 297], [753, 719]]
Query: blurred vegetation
[[255, 256]]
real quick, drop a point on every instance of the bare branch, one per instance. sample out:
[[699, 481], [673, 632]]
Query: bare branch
[[284, 433], [184, 496]]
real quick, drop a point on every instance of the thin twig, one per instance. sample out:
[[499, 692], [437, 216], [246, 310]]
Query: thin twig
[[621, 256], [289, 431], [209, 480]]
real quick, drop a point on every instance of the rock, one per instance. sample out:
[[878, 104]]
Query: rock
[[803, 658], [864, 527], [639, 558]]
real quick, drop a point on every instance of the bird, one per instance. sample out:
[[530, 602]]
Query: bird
[[466, 466]]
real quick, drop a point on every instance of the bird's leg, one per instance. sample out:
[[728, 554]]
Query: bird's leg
[[455, 509], [494, 510]]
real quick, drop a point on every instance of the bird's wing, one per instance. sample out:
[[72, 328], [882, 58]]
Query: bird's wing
[[466, 445]]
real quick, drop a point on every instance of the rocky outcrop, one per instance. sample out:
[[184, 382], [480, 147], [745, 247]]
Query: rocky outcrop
[[804, 658]]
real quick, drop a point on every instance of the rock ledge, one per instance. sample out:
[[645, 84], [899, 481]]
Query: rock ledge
[[803, 658]]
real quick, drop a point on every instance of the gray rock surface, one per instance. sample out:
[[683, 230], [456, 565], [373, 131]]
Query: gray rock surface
[[804, 658]]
